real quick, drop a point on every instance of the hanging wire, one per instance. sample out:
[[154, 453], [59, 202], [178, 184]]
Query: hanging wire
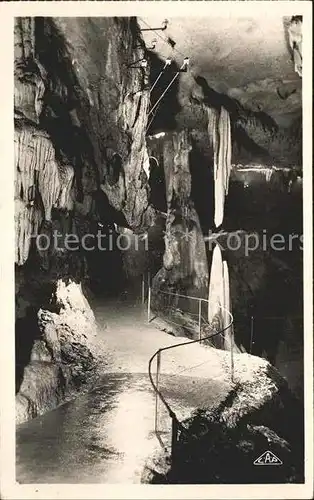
[[157, 103], [164, 92], [185, 63], [166, 89], [167, 63], [152, 118]]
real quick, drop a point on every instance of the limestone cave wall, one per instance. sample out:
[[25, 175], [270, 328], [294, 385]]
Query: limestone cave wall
[[80, 110]]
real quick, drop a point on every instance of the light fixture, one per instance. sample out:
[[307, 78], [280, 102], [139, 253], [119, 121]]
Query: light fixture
[[159, 135], [154, 43], [141, 62], [164, 26], [185, 64]]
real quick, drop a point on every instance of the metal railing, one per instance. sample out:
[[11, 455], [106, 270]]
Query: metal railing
[[176, 425]]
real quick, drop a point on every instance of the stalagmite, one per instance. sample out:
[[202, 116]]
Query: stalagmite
[[219, 131], [216, 286], [228, 333], [219, 298]]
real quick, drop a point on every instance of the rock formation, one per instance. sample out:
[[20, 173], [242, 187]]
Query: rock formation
[[63, 357], [219, 304], [185, 261], [82, 165], [219, 132], [80, 122], [295, 42], [220, 445]]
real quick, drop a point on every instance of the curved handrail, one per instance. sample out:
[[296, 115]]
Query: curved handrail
[[157, 391]]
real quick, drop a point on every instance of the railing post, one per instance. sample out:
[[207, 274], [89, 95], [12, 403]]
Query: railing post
[[231, 356], [199, 319], [252, 332], [143, 288], [148, 303], [157, 395], [174, 440]]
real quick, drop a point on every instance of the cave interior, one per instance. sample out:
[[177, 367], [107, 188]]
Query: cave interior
[[178, 145]]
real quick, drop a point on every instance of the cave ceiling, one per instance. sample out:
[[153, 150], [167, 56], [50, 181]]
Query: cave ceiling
[[247, 58]]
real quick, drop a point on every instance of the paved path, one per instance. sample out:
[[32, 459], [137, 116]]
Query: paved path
[[106, 436]]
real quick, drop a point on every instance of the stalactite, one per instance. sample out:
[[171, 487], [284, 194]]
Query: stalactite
[[24, 38], [65, 200], [213, 117], [30, 76], [295, 41], [219, 131], [268, 174], [49, 186], [27, 222], [38, 176]]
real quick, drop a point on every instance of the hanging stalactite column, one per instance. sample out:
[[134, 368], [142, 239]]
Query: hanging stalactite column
[[219, 131], [219, 303]]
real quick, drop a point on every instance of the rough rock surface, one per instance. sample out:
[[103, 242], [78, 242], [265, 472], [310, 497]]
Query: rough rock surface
[[80, 107], [99, 102], [64, 356], [220, 445], [184, 261]]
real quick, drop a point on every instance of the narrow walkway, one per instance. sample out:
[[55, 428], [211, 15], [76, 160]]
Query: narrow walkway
[[130, 341], [106, 436]]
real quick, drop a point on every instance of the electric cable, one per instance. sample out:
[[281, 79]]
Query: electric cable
[[164, 92], [184, 65], [167, 63], [152, 118]]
